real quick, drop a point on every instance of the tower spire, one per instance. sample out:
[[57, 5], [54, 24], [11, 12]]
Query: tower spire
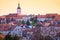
[[18, 8]]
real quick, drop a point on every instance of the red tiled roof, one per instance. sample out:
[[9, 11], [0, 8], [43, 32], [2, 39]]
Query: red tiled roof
[[5, 27], [12, 15], [20, 16], [51, 14], [3, 17], [15, 15], [57, 17], [41, 16]]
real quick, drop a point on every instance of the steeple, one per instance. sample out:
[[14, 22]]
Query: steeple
[[18, 8]]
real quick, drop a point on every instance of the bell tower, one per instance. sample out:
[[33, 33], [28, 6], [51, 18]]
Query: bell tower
[[18, 9]]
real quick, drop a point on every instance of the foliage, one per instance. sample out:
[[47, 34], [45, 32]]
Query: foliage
[[0, 33], [33, 23], [28, 23], [8, 37], [15, 37], [22, 22]]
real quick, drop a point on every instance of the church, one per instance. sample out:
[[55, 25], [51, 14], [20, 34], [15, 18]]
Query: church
[[18, 15]]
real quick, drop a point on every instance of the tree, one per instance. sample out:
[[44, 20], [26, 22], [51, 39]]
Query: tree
[[8, 37], [35, 19], [28, 23], [23, 22], [33, 23], [15, 37]]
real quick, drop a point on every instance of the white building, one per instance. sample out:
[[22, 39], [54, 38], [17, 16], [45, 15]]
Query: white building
[[17, 30]]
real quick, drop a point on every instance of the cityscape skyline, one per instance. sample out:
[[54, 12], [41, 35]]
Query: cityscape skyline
[[30, 6]]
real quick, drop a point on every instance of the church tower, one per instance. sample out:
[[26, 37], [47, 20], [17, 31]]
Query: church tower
[[18, 9]]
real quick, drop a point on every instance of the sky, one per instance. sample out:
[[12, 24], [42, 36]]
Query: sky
[[30, 6]]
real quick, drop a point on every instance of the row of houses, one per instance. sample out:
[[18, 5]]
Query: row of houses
[[15, 18], [27, 17]]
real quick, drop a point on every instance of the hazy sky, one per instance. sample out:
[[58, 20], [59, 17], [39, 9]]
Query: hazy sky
[[30, 6]]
